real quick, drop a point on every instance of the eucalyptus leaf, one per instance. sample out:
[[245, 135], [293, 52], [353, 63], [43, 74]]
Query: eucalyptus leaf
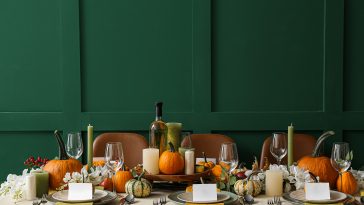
[[222, 185], [232, 180]]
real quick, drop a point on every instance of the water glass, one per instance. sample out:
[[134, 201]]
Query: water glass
[[74, 147], [114, 157], [278, 147]]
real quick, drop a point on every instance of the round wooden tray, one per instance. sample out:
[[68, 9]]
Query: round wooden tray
[[177, 178]]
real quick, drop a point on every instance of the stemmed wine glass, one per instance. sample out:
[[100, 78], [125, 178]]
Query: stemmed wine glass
[[114, 158], [74, 147], [228, 159], [341, 157], [278, 147]]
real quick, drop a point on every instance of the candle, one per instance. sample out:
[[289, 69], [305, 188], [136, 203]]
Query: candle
[[41, 182], [189, 162], [174, 134], [273, 183], [30, 189], [182, 150], [90, 140], [290, 145], [151, 160]]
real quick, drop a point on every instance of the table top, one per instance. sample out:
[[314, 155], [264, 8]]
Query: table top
[[156, 194]]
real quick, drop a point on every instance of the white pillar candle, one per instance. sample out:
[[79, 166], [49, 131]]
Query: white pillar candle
[[151, 160], [273, 183], [30, 188], [189, 162]]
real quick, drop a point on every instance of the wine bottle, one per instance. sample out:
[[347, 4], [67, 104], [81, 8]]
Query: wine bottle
[[158, 130]]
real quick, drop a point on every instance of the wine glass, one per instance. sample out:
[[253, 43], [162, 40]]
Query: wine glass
[[341, 157], [114, 158], [278, 147], [228, 159], [74, 147]]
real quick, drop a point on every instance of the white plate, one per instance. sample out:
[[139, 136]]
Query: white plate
[[335, 196], [187, 197], [63, 196]]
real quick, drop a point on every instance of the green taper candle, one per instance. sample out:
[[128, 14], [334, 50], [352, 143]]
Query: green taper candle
[[90, 141], [290, 144]]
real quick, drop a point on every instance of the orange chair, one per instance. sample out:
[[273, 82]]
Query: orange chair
[[133, 145], [208, 143], [303, 145]]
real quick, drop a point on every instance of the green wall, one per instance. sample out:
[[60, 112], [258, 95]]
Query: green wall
[[241, 68]]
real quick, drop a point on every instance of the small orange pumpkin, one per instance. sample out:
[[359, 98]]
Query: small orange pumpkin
[[348, 182], [320, 165], [171, 162], [217, 170], [57, 168], [120, 179], [205, 163]]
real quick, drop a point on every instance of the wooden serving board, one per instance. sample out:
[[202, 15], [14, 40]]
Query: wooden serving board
[[177, 178]]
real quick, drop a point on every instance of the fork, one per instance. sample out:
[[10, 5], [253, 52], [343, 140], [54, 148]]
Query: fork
[[43, 200], [163, 200], [276, 200], [155, 202], [270, 202]]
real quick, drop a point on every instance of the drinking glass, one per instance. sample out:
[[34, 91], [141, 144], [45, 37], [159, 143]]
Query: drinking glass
[[228, 159], [278, 147], [74, 147], [341, 157], [114, 158], [186, 141]]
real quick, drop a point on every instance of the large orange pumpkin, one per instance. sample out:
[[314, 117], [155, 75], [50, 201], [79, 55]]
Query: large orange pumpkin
[[348, 182], [320, 165], [171, 162], [57, 168], [120, 179]]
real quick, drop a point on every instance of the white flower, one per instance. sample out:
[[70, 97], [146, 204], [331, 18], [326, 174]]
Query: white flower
[[96, 176], [14, 186]]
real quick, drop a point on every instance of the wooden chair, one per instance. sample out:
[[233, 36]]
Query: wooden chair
[[133, 145], [303, 145], [208, 143]]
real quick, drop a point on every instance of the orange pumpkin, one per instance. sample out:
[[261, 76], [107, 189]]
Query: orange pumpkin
[[120, 179], [320, 165], [217, 170], [57, 168], [348, 182], [171, 162]]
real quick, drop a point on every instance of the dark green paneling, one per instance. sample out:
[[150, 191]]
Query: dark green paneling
[[30, 79], [124, 52], [271, 59], [353, 58], [240, 68], [16, 147]]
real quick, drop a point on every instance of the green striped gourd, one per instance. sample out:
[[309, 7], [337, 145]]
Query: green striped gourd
[[139, 187]]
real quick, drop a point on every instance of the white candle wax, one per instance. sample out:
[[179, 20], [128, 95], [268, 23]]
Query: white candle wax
[[151, 160], [30, 188], [273, 183], [189, 162]]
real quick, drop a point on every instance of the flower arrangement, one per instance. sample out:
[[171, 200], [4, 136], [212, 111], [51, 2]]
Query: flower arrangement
[[95, 176], [14, 186]]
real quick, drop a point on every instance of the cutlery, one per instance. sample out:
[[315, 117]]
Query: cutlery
[[35, 203], [276, 200], [270, 202], [43, 200], [155, 202], [163, 200]]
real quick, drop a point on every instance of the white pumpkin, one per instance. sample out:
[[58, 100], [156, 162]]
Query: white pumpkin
[[138, 187], [248, 186]]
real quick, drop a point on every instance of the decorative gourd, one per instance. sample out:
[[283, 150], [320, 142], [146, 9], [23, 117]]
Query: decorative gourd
[[171, 162], [349, 184], [205, 163], [320, 165], [138, 187], [121, 178], [57, 168], [248, 186]]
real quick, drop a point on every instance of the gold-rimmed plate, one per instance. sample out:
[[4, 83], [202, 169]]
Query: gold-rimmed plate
[[62, 196], [335, 196]]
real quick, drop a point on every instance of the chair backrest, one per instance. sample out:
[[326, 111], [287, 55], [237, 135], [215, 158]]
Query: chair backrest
[[133, 145], [208, 143], [303, 145]]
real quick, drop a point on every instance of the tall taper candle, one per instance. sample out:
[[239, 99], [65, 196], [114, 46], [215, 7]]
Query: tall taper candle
[[290, 145], [90, 141]]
